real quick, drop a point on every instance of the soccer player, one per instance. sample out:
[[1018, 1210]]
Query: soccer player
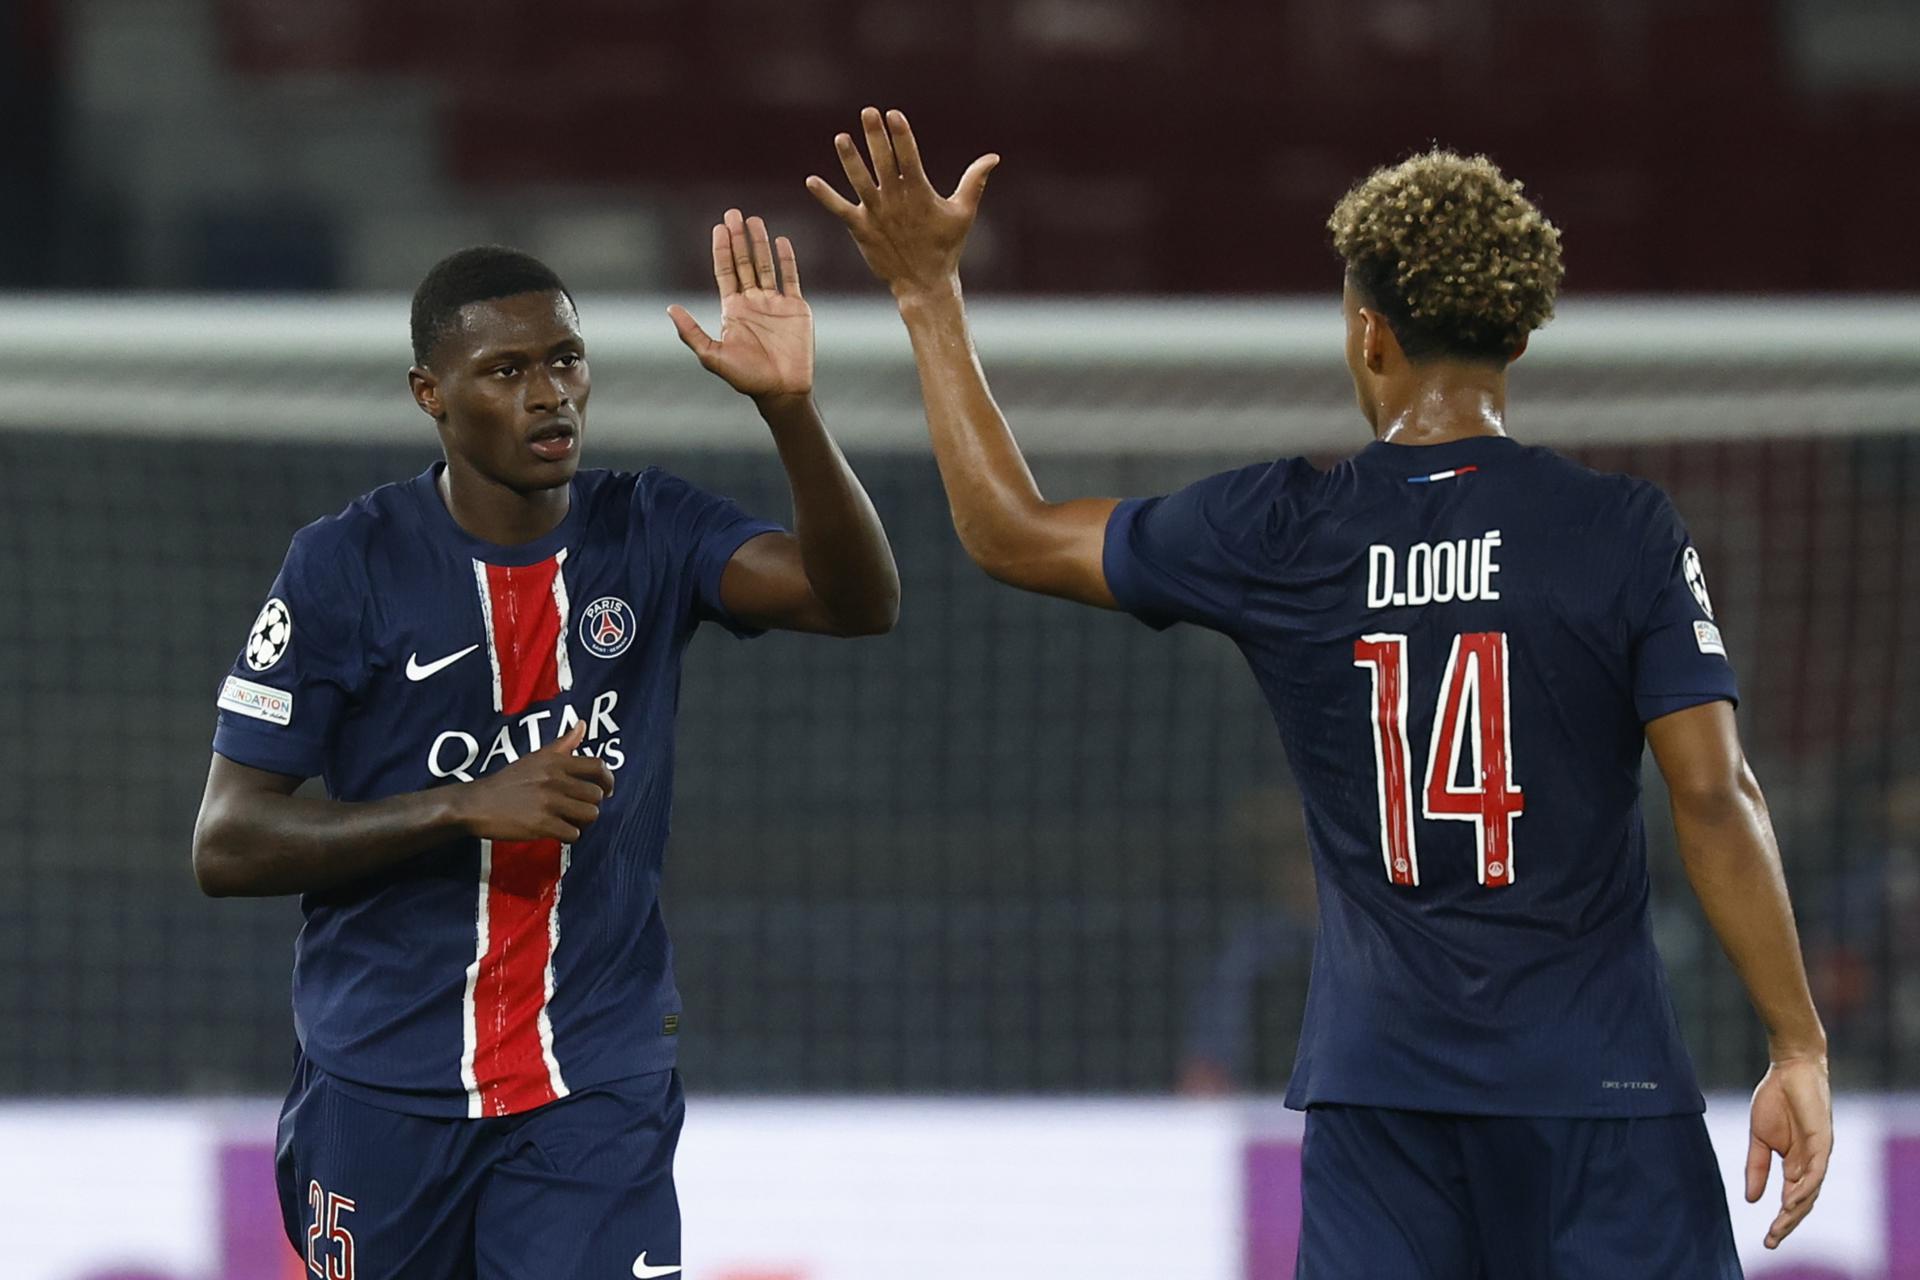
[[1466, 644], [483, 663]]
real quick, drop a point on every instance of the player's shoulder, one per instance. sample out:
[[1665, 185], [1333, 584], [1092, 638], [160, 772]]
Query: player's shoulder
[[616, 501], [1263, 484], [1575, 489], [336, 548]]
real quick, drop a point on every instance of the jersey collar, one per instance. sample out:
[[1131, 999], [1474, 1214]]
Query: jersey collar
[[1425, 459], [440, 522]]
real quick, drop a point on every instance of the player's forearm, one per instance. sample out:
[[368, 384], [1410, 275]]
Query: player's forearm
[[262, 845], [995, 503], [1727, 844], [843, 546]]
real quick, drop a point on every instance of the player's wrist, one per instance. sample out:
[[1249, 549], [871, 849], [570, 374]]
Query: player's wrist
[[452, 808], [1804, 1044], [1781, 1055], [919, 294], [779, 407]]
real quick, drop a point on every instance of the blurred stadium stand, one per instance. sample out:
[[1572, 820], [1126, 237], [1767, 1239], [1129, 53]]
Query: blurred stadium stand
[[1723, 145]]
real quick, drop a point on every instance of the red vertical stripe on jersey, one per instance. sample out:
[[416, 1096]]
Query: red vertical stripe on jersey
[[526, 632], [510, 1067], [1477, 670], [509, 1061], [1386, 655]]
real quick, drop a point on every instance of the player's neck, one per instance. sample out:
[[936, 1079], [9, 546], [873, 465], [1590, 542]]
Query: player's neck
[[494, 513], [1438, 404]]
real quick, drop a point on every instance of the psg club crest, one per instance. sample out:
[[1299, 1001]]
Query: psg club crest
[[607, 627], [267, 642]]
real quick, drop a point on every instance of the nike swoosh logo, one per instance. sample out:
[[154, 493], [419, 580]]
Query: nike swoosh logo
[[417, 672], [644, 1272]]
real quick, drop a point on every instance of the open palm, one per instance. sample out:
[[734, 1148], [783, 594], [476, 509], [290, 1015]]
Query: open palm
[[910, 234], [765, 347]]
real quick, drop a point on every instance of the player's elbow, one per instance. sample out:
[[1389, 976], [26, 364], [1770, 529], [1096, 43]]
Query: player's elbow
[[216, 868], [1001, 552], [879, 613], [1713, 797], [879, 622]]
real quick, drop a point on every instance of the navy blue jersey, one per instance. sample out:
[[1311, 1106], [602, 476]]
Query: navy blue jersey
[[1460, 644], [396, 653]]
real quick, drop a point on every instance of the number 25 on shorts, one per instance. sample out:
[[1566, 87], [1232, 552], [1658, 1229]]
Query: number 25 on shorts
[[329, 1243], [1472, 711]]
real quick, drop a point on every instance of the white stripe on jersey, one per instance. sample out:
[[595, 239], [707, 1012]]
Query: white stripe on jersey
[[469, 1027], [560, 655], [553, 946], [486, 613]]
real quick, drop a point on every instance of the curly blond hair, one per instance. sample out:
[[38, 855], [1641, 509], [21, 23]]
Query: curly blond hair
[[1446, 247]]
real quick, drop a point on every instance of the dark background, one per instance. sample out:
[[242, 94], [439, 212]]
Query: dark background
[[1150, 145]]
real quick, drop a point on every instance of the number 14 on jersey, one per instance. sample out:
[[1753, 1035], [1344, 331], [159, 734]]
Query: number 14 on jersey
[[1472, 712]]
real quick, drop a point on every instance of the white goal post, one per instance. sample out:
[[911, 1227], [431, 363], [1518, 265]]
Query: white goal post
[[1082, 377]]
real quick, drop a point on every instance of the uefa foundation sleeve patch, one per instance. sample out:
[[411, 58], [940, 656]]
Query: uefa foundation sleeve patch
[[1707, 636], [246, 698]]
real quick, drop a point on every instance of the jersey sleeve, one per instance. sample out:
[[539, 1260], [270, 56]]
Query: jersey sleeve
[[700, 531], [301, 664], [1183, 557], [1679, 658]]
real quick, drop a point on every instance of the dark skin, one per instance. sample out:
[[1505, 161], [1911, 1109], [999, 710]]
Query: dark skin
[[912, 237], [508, 392]]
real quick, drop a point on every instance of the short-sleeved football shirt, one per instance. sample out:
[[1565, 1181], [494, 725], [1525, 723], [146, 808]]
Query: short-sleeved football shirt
[[1460, 644], [397, 652]]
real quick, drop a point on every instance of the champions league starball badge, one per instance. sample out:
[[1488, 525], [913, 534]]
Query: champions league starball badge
[[1697, 580], [607, 627], [267, 642]]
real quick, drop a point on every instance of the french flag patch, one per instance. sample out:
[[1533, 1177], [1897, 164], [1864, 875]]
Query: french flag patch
[[1441, 475]]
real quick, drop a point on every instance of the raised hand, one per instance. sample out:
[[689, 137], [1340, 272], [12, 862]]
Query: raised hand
[[551, 794], [765, 347], [1793, 1118], [910, 234]]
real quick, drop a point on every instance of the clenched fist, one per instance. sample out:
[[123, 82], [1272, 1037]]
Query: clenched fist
[[552, 794]]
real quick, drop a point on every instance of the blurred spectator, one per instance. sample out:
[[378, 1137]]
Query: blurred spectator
[[1864, 944], [1271, 938]]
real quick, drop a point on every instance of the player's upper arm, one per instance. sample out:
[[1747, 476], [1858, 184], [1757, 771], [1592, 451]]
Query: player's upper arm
[[1679, 658], [1057, 549], [765, 586], [1192, 555], [302, 661], [1699, 754], [231, 787], [702, 535]]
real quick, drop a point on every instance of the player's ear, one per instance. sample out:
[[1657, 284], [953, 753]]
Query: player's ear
[[1521, 349], [1374, 337], [426, 391]]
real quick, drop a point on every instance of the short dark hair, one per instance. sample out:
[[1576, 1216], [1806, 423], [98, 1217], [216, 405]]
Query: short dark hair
[[479, 274], [1449, 250]]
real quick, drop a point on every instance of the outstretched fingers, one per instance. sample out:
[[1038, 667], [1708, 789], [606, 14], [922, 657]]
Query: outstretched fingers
[[973, 183], [762, 249], [690, 332], [723, 272], [886, 166], [905, 149], [830, 200], [742, 251], [789, 266], [858, 175]]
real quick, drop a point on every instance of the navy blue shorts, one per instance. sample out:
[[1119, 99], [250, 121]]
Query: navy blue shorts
[[582, 1187], [1418, 1196]]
